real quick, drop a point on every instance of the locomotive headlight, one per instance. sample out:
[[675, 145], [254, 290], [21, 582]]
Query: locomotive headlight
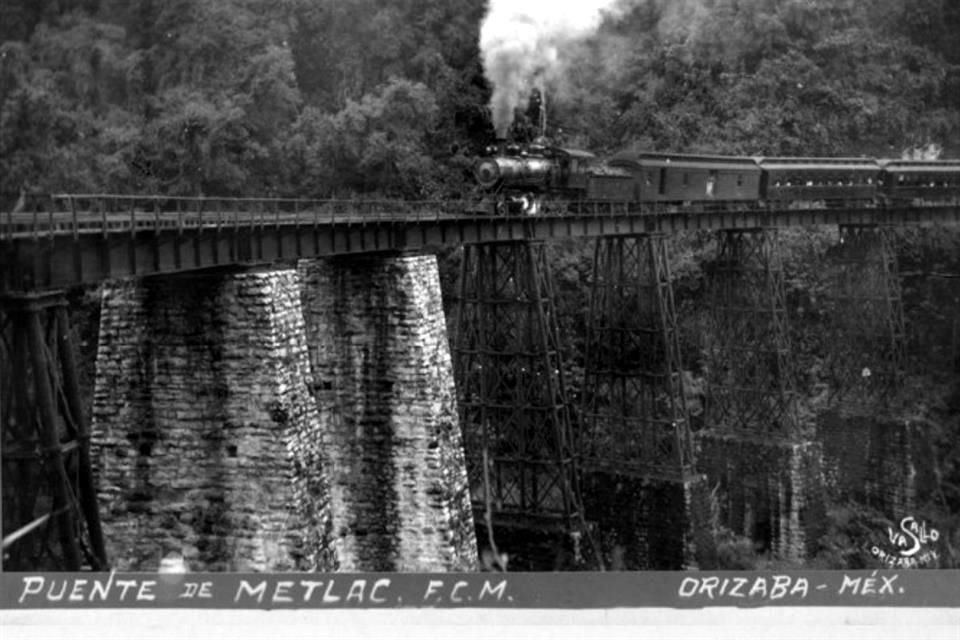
[[488, 172]]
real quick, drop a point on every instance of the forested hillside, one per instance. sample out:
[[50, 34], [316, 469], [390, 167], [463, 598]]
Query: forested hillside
[[238, 97], [322, 97]]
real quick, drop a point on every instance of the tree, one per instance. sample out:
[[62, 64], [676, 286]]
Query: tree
[[378, 143]]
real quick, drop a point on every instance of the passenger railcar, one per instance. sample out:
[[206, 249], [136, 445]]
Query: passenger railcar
[[828, 180], [920, 181]]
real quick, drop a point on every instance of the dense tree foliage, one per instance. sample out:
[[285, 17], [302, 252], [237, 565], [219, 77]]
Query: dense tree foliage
[[320, 97], [299, 97], [821, 77]]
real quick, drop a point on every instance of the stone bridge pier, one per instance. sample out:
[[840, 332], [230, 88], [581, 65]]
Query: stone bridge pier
[[281, 419]]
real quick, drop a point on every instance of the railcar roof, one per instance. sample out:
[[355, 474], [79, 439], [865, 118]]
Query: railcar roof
[[920, 166], [685, 160], [819, 163]]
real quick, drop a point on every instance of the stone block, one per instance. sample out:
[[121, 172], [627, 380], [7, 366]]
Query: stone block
[[767, 489], [383, 379], [205, 436]]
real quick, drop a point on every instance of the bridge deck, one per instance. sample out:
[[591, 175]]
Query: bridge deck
[[104, 237]]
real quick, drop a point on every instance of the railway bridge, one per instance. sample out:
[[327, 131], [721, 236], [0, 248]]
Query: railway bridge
[[276, 388]]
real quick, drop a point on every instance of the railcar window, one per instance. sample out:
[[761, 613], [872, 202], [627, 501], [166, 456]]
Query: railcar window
[[739, 179], [662, 188], [686, 179]]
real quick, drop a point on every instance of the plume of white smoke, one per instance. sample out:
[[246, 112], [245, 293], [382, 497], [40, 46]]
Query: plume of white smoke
[[523, 43]]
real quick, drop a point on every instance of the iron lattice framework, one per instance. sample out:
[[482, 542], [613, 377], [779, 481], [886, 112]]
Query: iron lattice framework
[[50, 519], [750, 378], [512, 392], [865, 351], [634, 411]]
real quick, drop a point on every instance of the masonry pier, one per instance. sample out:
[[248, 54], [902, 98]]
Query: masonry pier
[[214, 439], [207, 439], [383, 380]]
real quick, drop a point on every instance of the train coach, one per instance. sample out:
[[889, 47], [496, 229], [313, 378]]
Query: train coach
[[830, 181], [920, 181]]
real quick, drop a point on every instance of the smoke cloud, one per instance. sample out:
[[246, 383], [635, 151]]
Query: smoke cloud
[[523, 42]]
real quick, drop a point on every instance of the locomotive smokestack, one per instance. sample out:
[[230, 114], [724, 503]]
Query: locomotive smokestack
[[542, 125], [523, 41]]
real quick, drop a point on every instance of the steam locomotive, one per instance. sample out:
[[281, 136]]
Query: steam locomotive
[[531, 178]]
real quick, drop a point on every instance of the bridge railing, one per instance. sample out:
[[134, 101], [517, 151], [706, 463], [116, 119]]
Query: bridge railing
[[58, 214], [64, 214]]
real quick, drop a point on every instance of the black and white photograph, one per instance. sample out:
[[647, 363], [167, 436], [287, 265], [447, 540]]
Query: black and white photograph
[[526, 304]]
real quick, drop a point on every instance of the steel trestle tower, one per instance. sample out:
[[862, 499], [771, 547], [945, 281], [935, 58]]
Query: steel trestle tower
[[866, 353], [50, 518], [635, 411], [512, 390], [750, 366]]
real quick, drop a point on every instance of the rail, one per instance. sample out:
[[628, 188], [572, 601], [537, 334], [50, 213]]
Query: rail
[[82, 213], [66, 214], [54, 241]]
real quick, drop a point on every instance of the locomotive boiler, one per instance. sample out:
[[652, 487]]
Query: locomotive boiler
[[520, 179]]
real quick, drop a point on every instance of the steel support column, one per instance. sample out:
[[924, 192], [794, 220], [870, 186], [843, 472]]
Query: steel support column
[[50, 517], [510, 379], [865, 352], [750, 377], [634, 406]]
